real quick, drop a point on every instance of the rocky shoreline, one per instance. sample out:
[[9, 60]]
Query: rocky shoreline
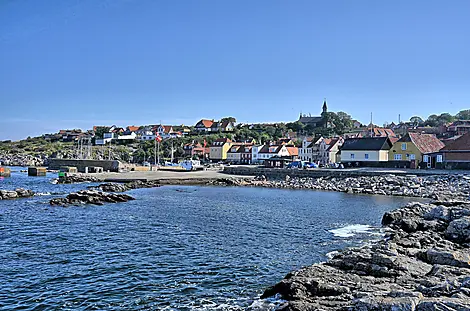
[[432, 187], [15, 194], [423, 264], [436, 187], [90, 197], [22, 160]]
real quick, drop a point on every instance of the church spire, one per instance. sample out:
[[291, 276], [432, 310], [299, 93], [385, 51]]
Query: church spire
[[325, 108]]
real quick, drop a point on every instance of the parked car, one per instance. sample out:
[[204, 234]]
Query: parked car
[[310, 165], [295, 164]]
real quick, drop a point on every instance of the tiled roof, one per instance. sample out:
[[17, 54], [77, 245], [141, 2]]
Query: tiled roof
[[425, 143], [380, 132], [332, 143], [266, 149], [461, 143], [133, 128], [314, 141], [293, 151], [367, 143], [166, 128], [205, 123], [220, 141]]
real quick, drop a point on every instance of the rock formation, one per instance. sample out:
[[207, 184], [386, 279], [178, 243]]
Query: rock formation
[[121, 187], [15, 194], [90, 197], [422, 264]]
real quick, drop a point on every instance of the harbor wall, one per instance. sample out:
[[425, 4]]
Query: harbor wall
[[107, 165]]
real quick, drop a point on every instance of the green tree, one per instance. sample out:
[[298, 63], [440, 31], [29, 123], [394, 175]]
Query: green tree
[[416, 121], [99, 132], [345, 119], [463, 115], [444, 118], [230, 119], [432, 120]]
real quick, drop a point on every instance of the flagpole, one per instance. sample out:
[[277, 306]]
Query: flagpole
[[158, 152], [155, 152]]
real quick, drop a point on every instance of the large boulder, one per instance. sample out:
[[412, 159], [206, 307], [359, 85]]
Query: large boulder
[[459, 230]]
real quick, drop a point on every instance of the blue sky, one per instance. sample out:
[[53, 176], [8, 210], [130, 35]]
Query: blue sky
[[79, 63]]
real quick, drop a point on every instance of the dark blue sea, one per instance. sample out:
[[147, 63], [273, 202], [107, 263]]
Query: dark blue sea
[[173, 248]]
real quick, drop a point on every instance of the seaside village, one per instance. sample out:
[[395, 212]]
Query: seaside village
[[309, 142]]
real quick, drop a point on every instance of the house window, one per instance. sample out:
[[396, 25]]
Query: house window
[[398, 157], [407, 156], [412, 157], [426, 158], [439, 158], [352, 155], [366, 156], [403, 146]]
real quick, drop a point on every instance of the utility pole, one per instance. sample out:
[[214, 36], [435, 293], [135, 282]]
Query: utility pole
[[371, 126]]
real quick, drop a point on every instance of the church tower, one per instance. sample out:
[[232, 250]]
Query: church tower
[[325, 108], [324, 114]]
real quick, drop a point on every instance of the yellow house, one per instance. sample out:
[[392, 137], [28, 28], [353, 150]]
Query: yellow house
[[219, 148], [413, 146]]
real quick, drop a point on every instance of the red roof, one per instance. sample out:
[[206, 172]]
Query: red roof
[[133, 128], [167, 128], [426, 143], [206, 123], [293, 151]]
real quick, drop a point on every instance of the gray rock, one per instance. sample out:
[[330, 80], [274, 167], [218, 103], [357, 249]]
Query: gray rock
[[459, 229]]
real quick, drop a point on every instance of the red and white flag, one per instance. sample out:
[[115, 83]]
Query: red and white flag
[[158, 138]]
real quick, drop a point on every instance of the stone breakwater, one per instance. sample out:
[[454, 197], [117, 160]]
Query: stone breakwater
[[90, 197], [15, 194], [422, 264], [77, 178], [22, 160], [121, 187], [433, 187]]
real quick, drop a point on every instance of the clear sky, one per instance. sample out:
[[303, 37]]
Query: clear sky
[[79, 63]]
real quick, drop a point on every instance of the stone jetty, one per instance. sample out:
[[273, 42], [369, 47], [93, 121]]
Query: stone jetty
[[121, 187], [77, 178], [422, 264], [15, 194], [90, 197]]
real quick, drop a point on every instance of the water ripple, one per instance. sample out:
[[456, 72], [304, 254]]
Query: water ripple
[[174, 248]]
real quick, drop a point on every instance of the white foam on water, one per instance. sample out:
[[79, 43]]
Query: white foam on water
[[43, 193], [351, 230]]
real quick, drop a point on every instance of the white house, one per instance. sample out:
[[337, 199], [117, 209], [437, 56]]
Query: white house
[[367, 149], [147, 135], [165, 131], [267, 152], [254, 153], [329, 149], [204, 125], [310, 149], [107, 138], [131, 136]]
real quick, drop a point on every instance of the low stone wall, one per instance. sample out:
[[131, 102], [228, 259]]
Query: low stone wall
[[107, 165], [276, 173]]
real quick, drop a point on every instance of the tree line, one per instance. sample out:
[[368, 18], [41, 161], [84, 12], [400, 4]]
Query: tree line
[[441, 119]]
